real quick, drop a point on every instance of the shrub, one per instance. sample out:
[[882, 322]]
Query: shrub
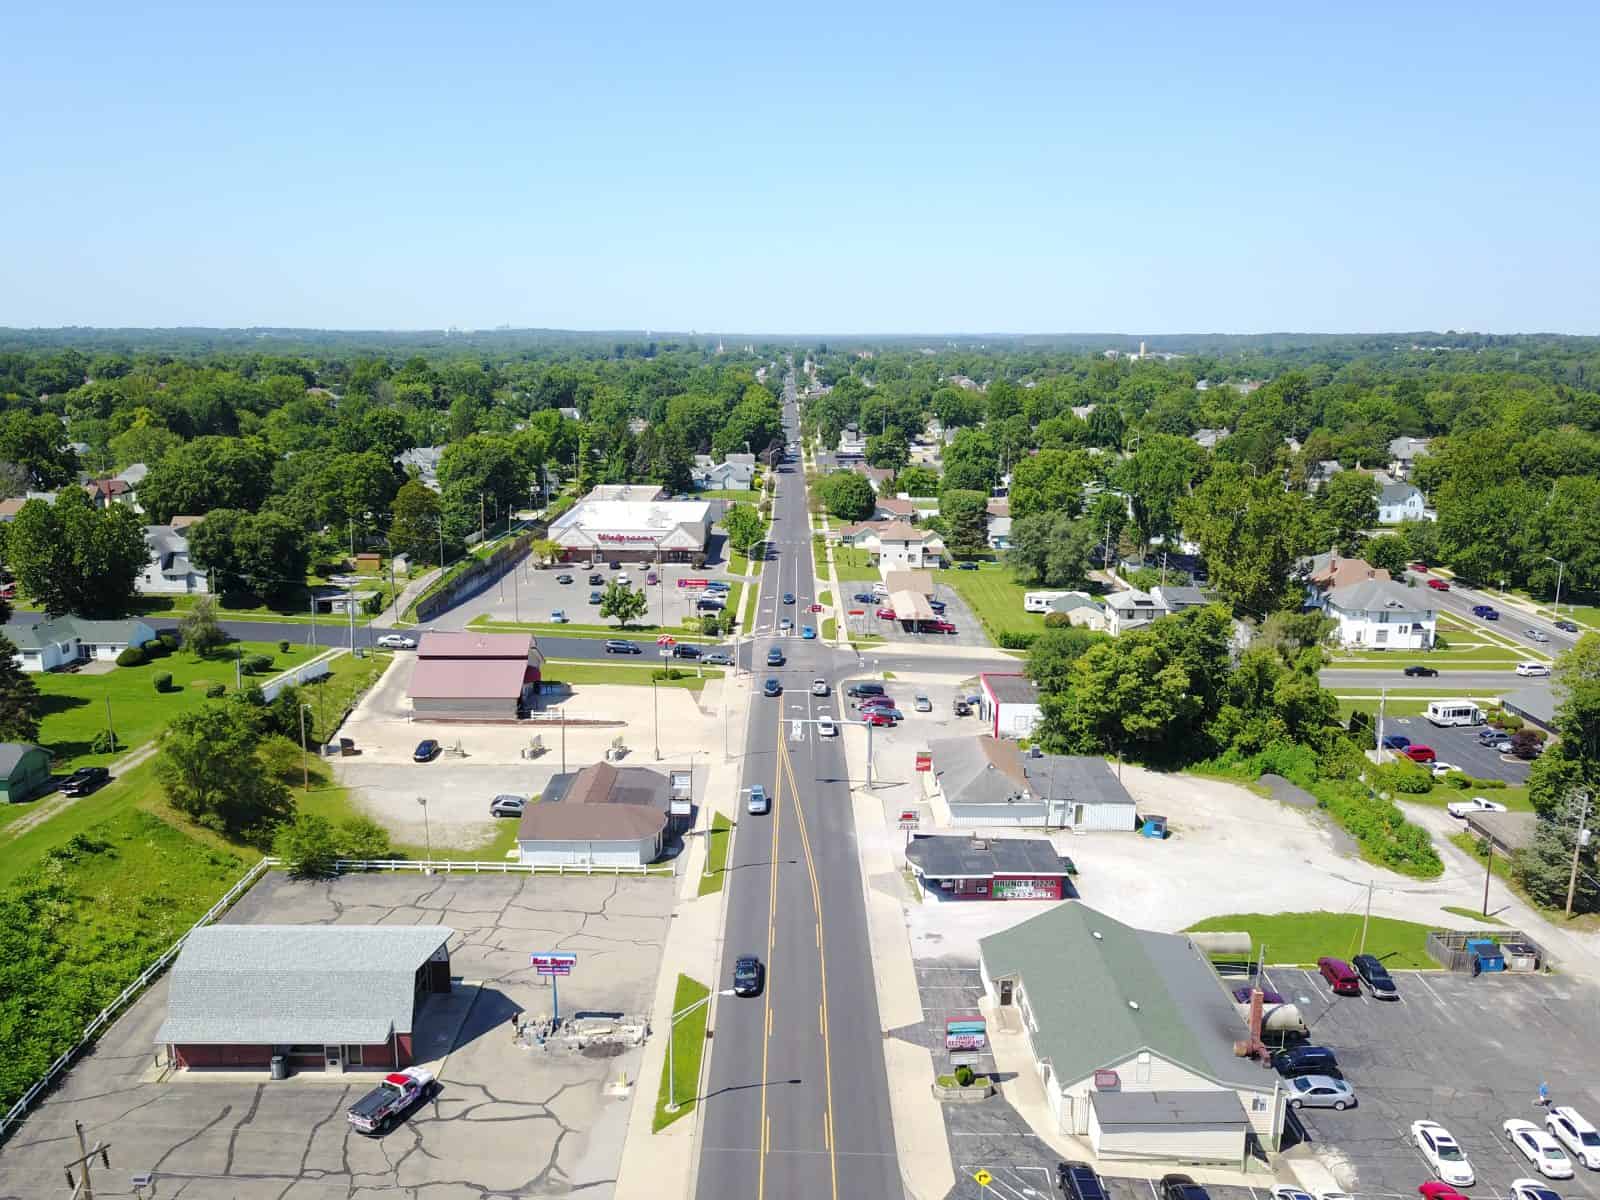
[[163, 681], [666, 673], [964, 1076], [168, 639], [1363, 731], [1403, 776], [216, 690], [133, 656], [307, 845], [1439, 642], [1055, 620], [1010, 640], [1384, 834], [1525, 743], [104, 742], [362, 837], [257, 663], [283, 646], [1507, 723]]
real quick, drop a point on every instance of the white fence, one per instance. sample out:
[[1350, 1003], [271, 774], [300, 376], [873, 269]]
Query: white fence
[[129, 993], [304, 673], [498, 867]]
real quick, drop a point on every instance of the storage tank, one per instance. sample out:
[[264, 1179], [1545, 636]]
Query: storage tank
[[1235, 945], [1280, 1019]]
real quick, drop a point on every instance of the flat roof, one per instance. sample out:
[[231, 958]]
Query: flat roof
[[1214, 1110], [464, 678], [946, 856], [910, 606], [1010, 689]]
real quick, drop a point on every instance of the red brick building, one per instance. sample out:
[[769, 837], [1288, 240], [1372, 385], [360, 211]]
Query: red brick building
[[323, 997]]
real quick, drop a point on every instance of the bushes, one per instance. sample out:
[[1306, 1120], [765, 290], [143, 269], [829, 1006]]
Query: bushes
[[283, 646], [104, 742], [216, 691], [666, 673], [163, 681], [1403, 776], [256, 664], [133, 656], [964, 1076], [168, 639], [1011, 640], [1384, 834], [1055, 620]]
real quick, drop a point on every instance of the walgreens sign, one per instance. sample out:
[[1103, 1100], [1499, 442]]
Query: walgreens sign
[[627, 537]]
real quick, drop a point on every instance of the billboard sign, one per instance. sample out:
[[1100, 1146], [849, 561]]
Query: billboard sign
[[553, 963]]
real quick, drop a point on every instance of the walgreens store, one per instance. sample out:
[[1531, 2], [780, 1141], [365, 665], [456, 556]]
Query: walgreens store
[[633, 530]]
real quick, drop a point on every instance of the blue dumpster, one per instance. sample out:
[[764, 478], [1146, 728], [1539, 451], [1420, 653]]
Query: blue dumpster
[[1154, 827], [1486, 954]]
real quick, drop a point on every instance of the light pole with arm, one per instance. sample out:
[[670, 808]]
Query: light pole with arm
[[1561, 568], [426, 832]]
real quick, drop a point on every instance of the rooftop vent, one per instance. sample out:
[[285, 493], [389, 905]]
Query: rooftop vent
[[1133, 1004], [1098, 936]]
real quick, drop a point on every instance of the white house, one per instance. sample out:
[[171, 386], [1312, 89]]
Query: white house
[[1008, 704], [1402, 502], [852, 443], [169, 571], [734, 473], [1403, 454], [903, 547], [1082, 610], [1382, 614], [999, 533], [1131, 609], [61, 641], [425, 461]]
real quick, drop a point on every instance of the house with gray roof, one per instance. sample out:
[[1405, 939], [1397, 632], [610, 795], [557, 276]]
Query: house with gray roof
[[423, 462], [1402, 502], [322, 997], [968, 867], [169, 570], [1132, 1033], [603, 815], [1131, 609], [987, 781], [1403, 454], [736, 472], [24, 771], [1081, 609], [57, 642], [1175, 598], [1379, 614]]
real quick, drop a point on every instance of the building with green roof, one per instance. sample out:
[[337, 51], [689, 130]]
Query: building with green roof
[[1133, 1036]]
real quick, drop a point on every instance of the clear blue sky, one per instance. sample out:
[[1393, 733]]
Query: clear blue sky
[[870, 167]]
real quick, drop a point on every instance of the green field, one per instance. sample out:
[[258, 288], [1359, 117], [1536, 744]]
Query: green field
[[74, 706], [1299, 939], [579, 673], [996, 597], [688, 1043], [742, 495], [717, 855]]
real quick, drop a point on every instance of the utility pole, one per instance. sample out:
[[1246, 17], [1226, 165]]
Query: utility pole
[[305, 768], [1577, 848], [110, 728], [1488, 874], [313, 606], [655, 703], [85, 1160], [1383, 700], [481, 530], [427, 833], [350, 606]]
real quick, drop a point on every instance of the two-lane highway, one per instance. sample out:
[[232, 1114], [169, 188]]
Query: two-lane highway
[[797, 1104]]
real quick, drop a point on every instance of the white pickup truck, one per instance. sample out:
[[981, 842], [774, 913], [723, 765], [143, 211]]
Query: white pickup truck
[[383, 1107], [1465, 808]]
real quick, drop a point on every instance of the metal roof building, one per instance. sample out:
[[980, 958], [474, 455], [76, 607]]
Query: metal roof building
[[320, 996], [987, 781], [602, 815]]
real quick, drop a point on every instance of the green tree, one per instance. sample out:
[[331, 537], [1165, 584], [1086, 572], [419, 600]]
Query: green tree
[[308, 846], [200, 629], [38, 442], [77, 558], [545, 550], [145, 441], [1052, 654], [1389, 553], [415, 523], [744, 526], [1251, 532], [1050, 481], [622, 603], [846, 495], [20, 702], [917, 481], [965, 518], [889, 450], [208, 768], [363, 838], [1157, 478], [1346, 504], [262, 554], [1544, 868], [1053, 549], [480, 476], [971, 462], [205, 474]]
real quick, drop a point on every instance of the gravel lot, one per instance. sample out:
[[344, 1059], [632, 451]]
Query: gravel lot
[[223, 1135]]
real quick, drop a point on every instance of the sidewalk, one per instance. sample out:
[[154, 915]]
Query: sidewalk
[[390, 617]]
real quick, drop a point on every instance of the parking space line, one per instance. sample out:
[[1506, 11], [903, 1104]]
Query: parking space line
[[1429, 988]]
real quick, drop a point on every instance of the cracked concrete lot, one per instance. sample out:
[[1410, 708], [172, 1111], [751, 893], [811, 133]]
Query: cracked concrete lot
[[506, 1121]]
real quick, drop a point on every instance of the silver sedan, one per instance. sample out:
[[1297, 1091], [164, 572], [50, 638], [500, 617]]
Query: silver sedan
[[1320, 1091]]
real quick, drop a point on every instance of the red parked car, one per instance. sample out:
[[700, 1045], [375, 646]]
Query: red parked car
[[1417, 752], [1437, 1189], [1438, 585], [872, 716], [886, 614], [1419, 566], [1341, 976]]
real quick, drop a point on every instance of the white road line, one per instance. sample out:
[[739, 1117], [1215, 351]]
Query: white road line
[[1429, 987]]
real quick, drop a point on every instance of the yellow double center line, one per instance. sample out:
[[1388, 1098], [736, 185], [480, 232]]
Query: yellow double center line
[[786, 770]]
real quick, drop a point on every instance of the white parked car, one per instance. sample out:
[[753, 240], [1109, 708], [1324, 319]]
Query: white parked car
[[1282, 1192], [1539, 1147], [1443, 1152], [1441, 769], [1532, 1189], [1532, 668], [1465, 808], [827, 726], [1580, 1138], [397, 641]]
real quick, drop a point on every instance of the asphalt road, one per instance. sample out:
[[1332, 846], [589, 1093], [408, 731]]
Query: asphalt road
[[1512, 624], [1445, 682], [797, 1102]]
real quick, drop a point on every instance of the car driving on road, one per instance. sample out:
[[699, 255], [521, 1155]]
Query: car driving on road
[[1566, 626], [1538, 635], [1420, 672], [758, 803], [397, 641], [827, 726], [717, 659], [819, 687], [747, 975], [772, 688], [774, 657], [622, 646], [1532, 668]]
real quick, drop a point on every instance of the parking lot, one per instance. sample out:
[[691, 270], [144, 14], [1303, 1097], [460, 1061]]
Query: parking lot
[[969, 630], [247, 1138], [1468, 1053], [542, 594], [1458, 745]]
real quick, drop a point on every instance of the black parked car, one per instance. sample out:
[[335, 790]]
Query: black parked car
[[1423, 672], [748, 974], [1079, 1181], [1181, 1187], [967, 566], [1566, 626], [427, 750], [1376, 976], [685, 650], [620, 646], [85, 780], [596, 579], [1305, 1060]]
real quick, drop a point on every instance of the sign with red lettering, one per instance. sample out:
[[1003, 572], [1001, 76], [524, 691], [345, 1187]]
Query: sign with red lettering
[[1107, 1081], [693, 583], [909, 819], [816, 608], [626, 537], [553, 963], [924, 760]]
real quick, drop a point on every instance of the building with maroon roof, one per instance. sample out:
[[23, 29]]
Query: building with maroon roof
[[471, 676]]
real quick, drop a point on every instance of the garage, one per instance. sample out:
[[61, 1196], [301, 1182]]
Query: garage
[[1182, 1127]]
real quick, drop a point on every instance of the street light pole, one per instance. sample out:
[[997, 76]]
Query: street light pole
[[427, 833], [1577, 848], [672, 1082], [305, 767], [1561, 568]]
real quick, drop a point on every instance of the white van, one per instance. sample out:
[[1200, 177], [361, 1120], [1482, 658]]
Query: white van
[[1039, 602], [1454, 712], [880, 589]]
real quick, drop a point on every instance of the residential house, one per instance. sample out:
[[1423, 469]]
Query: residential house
[[1132, 1035], [1176, 599], [169, 570], [103, 493], [1008, 704], [1403, 454], [734, 473], [424, 461], [988, 781], [893, 508], [1318, 473], [997, 506], [57, 642], [603, 815], [1381, 615], [901, 547], [1131, 609], [1082, 610], [852, 444], [1402, 502], [1207, 439], [998, 533], [570, 414], [1327, 572]]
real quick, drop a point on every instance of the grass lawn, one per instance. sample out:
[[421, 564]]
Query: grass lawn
[[824, 597], [73, 708], [1471, 914], [1394, 708], [688, 1043], [829, 627], [747, 564], [742, 495], [337, 692], [1299, 939], [995, 595], [1514, 798], [717, 854], [579, 673]]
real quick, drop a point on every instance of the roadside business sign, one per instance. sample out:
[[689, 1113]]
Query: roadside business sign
[[666, 639], [816, 608], [964, 1058], [924, 760], [693, 583], [966, 1033], [552, 962], [856, 612], [909, 818]]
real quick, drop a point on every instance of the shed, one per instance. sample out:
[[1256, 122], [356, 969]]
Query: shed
[[24, 771], [324, 997]]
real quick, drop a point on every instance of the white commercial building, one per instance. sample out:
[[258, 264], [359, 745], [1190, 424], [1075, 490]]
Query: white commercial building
[[1008, 704], [633, 530]]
